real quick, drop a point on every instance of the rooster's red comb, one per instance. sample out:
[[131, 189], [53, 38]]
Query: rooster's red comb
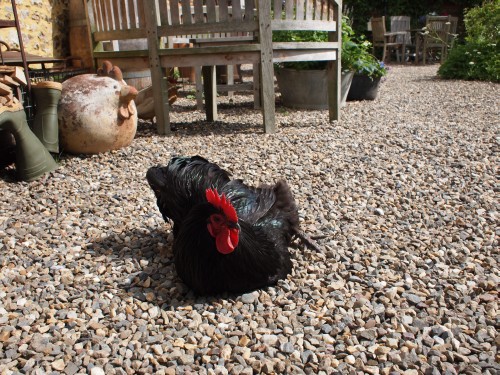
[[222, 203]]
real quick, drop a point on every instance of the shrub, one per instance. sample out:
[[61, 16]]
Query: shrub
[[473, 61], [483, 23], [479, 57]]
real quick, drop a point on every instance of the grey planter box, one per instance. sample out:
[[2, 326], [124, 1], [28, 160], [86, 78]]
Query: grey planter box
[[307, 89]]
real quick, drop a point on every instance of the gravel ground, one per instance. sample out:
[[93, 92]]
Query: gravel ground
[[401, 196]]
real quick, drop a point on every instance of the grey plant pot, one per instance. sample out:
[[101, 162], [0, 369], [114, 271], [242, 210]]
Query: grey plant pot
[[363, 88], [307, 89]]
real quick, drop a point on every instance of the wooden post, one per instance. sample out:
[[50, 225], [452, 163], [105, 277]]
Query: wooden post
[[159, 81], [210, 90], [199, 87], [334, 68], [266, 66], [79, 41]]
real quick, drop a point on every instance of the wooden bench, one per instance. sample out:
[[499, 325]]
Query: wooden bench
[[162, 21]]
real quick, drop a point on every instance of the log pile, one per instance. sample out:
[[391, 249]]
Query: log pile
[[11, 78]]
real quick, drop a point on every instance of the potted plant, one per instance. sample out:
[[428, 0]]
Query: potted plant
[[368, 69], [303, 84]]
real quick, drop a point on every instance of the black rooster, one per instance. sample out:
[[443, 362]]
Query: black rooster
[[228, 236]]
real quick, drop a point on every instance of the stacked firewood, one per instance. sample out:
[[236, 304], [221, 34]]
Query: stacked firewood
[[11, 78]]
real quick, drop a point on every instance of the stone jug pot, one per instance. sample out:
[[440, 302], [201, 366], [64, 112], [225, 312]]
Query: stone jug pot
[[96, 114]]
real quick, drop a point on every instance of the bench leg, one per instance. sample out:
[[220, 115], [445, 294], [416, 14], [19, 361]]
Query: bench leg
[[268, 97], [160, 96], [199, 88], [230, 81], [334, 90], [256, 86], [210, 91]]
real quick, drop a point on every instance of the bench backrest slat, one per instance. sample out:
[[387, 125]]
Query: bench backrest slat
[[118, 15]]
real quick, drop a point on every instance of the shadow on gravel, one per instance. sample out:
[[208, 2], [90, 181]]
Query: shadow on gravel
[[143, 268], [8, 174], [146, 129]]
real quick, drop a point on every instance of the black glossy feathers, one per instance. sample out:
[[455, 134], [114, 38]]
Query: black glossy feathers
[[267, 216]]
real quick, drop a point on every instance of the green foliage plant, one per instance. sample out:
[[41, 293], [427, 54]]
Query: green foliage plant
[[482, 23], [356, 54], [479, 57], [472, 61]]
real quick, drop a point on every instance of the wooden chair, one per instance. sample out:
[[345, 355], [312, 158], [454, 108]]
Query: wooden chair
[[160, 21], [402, 24], [388, 41], [435, 37]]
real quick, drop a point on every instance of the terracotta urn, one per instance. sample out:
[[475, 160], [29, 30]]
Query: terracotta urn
[[96, 114]]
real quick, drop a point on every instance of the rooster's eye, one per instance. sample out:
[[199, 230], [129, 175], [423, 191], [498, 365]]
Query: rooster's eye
[[217, 219]]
